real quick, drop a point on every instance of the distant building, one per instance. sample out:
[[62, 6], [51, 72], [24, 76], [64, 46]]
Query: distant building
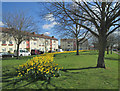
[[70, 44], [38, 42]]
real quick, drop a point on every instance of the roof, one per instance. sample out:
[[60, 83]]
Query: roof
[[31, 34]]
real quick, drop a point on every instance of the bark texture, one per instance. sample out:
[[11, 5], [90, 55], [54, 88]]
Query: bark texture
[[102, 46], [18, 51], [77, 42]]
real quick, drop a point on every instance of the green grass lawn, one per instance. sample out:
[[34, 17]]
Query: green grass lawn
[[79, 73]]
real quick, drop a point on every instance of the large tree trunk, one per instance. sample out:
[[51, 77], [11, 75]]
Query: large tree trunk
[[102, 46], [77, 43], [18, 51], [107, 49]]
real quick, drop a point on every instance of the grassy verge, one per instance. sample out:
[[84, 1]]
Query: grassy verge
[[79, 73]]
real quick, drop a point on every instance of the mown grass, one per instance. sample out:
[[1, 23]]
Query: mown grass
[[79, 72]]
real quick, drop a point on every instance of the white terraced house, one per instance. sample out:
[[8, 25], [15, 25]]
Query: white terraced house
[[39, 42]]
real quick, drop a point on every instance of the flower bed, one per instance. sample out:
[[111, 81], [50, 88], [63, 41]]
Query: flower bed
[[42, 67]]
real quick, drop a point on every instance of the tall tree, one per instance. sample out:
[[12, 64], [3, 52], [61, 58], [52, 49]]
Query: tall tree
[[104, 17], [19, 25]]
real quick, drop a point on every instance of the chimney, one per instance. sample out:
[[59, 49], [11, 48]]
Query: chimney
[[52, 36], [33, 33]]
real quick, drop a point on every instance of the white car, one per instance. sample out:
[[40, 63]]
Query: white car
[[22, 53], [59, 50]]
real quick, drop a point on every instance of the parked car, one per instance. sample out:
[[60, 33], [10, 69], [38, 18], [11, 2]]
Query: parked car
[[59, 50], [5, 55], [115, 50], [68, 50], [41, 52], [51, 51], [22, 53], [36, 52]]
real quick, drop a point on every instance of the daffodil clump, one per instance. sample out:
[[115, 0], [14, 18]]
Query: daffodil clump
[[41, 67]]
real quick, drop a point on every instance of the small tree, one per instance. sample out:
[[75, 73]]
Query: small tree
[[72, 31], [19, 26]]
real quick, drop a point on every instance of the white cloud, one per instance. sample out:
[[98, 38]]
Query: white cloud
[[1, 24], [46, 33], [49, 17], [49, 26]]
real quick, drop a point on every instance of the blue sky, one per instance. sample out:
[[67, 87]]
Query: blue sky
[[33, 9]]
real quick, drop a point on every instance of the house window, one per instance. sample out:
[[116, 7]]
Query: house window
[[4, 34], [10, 49], [10, 42], [10, 35], [23, 42], [3, 49], [68, 42], [34, 43], [3, 42]]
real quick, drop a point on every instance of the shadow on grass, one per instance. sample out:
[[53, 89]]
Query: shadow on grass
[[7, 76], [20, 58], [10, 81], [88, 53], [66, 70], [113, 59]]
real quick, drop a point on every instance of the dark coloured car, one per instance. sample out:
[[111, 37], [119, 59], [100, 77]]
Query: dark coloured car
[[115, 50], [68, 50], [41, 52], [5, 55], [36, 52], [51, 51]]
